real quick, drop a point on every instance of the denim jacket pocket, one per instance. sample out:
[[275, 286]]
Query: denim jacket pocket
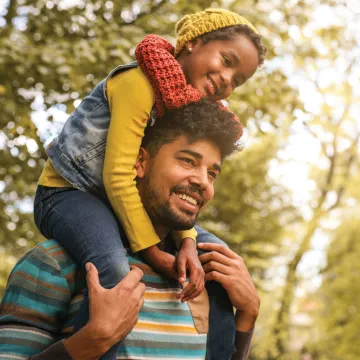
[[91, 153]]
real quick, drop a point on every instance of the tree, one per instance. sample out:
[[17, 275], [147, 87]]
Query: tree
[[250, 210], [52, 53], [336, 130], [340, 296]]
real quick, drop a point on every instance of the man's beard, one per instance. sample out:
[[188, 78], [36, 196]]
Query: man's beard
[[161, 213]]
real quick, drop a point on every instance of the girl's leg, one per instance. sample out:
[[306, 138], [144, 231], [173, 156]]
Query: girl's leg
[[89, 231], [221, 336]]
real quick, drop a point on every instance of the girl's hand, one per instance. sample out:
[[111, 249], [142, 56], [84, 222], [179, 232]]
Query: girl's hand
[[188, 260], [161, 261]]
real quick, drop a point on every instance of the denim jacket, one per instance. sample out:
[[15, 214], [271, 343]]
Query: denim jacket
[[78, 152]]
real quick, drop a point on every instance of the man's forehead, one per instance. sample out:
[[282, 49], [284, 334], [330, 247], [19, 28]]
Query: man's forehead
[[204, 149]]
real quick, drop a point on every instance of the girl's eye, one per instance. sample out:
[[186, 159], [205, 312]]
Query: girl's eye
[[227, 61]]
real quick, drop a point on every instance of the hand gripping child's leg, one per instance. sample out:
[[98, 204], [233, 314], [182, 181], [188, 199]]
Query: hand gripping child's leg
[[89, 231]]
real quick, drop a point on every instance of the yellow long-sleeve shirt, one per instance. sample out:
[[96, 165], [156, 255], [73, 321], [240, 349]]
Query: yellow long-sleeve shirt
[[131, 99]]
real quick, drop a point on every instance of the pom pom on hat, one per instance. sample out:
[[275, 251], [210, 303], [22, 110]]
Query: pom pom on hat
[[191, 26]]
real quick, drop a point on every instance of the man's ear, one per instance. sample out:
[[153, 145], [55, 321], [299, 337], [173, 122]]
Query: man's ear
[[141, 163]]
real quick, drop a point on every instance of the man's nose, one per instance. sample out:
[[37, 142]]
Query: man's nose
[[201, 179]]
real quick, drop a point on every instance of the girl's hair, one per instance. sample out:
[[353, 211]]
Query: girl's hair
[[228, 33]]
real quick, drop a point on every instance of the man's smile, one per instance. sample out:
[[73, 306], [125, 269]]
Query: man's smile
[[187, 203], [190, 194]]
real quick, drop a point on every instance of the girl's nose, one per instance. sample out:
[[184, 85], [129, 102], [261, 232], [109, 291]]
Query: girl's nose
[[226, 84]]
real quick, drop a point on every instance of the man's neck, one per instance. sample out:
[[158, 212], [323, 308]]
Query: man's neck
[[161, 231]]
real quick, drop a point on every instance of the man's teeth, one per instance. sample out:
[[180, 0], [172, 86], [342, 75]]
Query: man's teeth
[[187, 198]]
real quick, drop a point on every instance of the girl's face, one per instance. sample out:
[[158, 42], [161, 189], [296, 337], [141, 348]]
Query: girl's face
[[216, 68]]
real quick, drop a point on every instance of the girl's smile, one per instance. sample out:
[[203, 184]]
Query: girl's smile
[[217, 67]]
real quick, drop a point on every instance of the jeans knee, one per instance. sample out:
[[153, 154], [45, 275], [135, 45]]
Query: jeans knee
[[112, 269]]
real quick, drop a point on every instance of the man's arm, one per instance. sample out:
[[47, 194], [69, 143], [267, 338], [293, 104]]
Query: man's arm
[[245, 324], [36, 300], [113, 314], [226, 267]]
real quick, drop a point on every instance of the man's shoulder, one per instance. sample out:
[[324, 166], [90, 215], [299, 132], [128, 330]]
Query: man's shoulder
[[40, 288], [47, 262], [51, 253]]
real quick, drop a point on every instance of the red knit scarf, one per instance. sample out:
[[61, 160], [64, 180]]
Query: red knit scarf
[[155, 56]]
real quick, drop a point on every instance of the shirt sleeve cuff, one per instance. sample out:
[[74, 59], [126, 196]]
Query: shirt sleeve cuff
[[242, 345], [56, 351], [178, 236]]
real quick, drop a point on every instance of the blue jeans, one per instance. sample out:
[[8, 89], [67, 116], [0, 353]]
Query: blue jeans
[[88, 229]]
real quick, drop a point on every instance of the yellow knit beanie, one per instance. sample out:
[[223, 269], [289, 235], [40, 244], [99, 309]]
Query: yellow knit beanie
[[191, 26]]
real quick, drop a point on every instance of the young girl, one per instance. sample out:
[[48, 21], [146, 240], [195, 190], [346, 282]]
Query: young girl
[[87, 197]]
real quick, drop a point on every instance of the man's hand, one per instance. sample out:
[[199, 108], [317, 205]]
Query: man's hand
[[113, 314], [226, 267], [188, 260]]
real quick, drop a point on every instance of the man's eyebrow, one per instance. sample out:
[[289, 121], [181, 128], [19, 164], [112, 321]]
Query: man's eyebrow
[[192, 153], [217, 167], [199, 156]]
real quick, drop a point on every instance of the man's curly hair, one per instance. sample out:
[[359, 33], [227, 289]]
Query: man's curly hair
[[228, 33], [197, 121]]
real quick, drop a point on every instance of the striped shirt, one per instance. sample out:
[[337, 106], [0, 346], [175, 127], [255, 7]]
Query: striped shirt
[[44, 293]]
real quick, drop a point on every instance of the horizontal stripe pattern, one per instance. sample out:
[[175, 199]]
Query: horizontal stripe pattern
[[44, 293], [165, 329]]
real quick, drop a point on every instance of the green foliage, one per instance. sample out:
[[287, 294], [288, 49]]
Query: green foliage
[[52, 53], [339, 317], [249, 210]]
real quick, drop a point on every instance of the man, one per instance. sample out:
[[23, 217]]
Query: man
[[176, 169]]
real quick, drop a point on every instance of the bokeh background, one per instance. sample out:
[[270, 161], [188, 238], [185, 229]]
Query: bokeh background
[[288, 203]]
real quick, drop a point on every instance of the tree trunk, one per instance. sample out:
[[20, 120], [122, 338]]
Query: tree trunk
[[281, 327]]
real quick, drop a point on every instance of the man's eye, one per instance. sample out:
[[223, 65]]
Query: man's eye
[[212, 174], [227, 61], [188, 161]]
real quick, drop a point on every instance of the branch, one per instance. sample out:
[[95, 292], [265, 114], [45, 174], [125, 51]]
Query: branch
[[330, 175], [340, 191], [11, 13], [333, 157], [323, 147]]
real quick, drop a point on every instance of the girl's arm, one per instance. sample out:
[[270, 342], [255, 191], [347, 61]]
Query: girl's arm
[[131, 99]]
